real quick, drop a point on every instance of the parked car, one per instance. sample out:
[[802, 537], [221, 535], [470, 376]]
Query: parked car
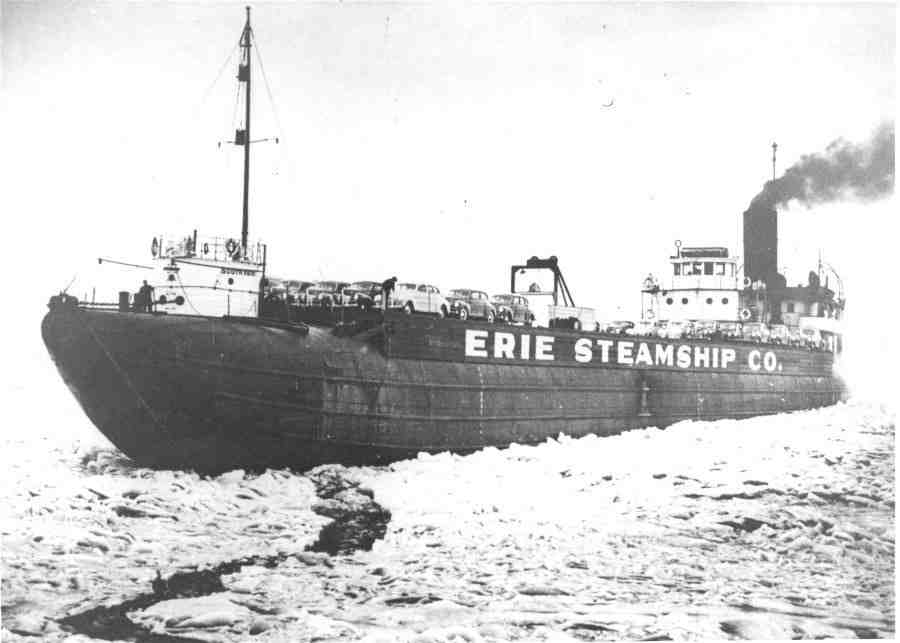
[[418, 298], [295, 291], [615, 327], [465, 303], [755, 332], [513, 308], [326, 293], [274, 289], [730, 329], [361, 293]]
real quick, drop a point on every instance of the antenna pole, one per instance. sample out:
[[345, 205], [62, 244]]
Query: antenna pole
[[244, 76], [774, 151]]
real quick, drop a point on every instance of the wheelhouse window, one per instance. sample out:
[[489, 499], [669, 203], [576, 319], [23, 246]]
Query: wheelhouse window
[[697, 268], [720, 268], [707, 267], [677, 267]]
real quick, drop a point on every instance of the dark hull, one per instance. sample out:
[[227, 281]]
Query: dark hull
[[213, 394]]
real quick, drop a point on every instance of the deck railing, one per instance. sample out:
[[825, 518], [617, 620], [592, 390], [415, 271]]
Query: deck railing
[[221, 249]]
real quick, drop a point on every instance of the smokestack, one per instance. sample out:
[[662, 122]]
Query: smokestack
[[844, 170], [760, 243]]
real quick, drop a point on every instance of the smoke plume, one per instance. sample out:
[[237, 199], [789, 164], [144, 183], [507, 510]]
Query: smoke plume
[[844, 170]]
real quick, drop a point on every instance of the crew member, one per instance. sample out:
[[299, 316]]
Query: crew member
[[146, 293], [387, 287]]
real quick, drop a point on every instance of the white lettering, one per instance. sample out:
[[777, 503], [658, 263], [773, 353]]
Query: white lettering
[[543, 347], [643, 356], [753, 360], [715, 354], [583, 352], [525, 348], [665, 354], [728, 356], [684, 356], [604, 345], [504, 345], [769, 361], [701, 357], [623, 352], [476, 343]]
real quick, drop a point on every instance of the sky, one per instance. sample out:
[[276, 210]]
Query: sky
[[439, 142]]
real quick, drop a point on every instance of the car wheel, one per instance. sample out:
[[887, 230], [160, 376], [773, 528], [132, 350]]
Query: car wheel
[[409, 309], [490, 317], [463, 314]]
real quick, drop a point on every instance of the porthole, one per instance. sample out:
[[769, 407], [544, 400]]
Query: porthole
[[163, 299], [724, 300], [684, 300], [669, 301], [171, 277], [179, 300], [709, 300], [230, 280]]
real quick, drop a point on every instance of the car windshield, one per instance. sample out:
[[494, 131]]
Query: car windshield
[[460, 292], [407, 286], [503, 299], [329, 285]]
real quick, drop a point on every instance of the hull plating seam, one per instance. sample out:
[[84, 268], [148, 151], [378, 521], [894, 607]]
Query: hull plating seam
[[474, 419]]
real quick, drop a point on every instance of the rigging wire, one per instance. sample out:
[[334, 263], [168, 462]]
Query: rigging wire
[[286, 148], [268, 88], [219, 74]]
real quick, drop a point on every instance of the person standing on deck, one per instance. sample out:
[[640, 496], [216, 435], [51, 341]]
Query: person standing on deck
[[387, 287], [146, 293]]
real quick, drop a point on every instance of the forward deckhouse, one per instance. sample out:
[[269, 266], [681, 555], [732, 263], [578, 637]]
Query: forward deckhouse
[[499, 346]]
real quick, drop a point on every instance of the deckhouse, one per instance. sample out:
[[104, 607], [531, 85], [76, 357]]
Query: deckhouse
[[702, 284], [212, 276]]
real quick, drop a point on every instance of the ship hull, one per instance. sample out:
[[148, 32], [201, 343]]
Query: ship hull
[[214, 394]]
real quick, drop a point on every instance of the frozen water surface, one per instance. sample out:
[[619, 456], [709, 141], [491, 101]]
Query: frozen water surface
[[773, 527]]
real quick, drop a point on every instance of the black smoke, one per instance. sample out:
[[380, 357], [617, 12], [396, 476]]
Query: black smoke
[[845, 170]]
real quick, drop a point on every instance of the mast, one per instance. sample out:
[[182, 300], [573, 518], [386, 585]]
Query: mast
[[774, 150], [244, 137]]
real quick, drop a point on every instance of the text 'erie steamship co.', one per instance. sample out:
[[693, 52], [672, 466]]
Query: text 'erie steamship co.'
[[502, 345]]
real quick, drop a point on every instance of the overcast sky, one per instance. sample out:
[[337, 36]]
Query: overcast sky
[[438, 142]]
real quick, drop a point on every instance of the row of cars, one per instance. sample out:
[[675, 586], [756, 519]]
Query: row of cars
[[463, 303], [757, 332]]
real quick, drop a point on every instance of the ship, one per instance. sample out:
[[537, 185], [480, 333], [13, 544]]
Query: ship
[[216, 371]]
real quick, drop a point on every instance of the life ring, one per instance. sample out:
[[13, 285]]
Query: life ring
[[206, 248], [231, 247], [650, 314], [648, 283], [154, 247], [746, 314], [747, 282]]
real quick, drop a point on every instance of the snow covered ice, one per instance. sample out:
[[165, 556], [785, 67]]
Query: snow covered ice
[[771, 527]]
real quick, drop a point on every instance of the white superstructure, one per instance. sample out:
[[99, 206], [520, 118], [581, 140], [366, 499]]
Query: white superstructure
[[209, 276], [702, 285]]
